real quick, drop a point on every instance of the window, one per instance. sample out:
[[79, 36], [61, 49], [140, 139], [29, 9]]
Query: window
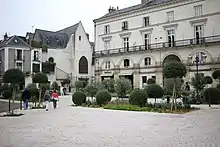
[[107, 45], [146, 41], [126, 63], [198, 34], [147, 61], [19, 66], [171, 38], [83, 65], [36, 68], [124, 25], [198, 10], [80, 38], [107, 29], [19, 55], [144, 81], [170, 16], [126, 43], [146, 21], [201, 57], [36, 56], [107, 65]]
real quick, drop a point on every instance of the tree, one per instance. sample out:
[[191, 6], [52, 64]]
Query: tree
[[174, 70], [79, 85], [55, 86], [208, 80], [14, 77], [151, 81], [154, 91], [40, 78], [216, 74], [169, 84], [122, 87], [138, 97], [198, 82], [66, 81], [91, 90], [109, 85], [34, 91]]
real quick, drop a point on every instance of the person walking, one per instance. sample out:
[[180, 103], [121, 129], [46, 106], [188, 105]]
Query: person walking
[[47, 98], [55, 97], [61, 90], [25, 97]]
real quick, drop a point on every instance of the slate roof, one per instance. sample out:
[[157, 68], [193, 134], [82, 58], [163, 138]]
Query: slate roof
[[69, 30], [14, 41], [132, 8], [58, 39], [51, 39]]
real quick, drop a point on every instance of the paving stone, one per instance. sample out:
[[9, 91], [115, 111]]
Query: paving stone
[[70, 126]]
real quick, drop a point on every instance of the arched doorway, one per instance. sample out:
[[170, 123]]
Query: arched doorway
[[83, 65], [170, 58]]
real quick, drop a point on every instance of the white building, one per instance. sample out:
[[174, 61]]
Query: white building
[[134, 42], [70, 50]]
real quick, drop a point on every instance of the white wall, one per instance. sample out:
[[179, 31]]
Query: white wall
[[82, 48], [183, 14]]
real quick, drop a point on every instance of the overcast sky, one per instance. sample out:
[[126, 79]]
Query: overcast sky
[[18, 16]]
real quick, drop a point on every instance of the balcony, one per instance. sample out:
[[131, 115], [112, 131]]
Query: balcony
[[211, 40]]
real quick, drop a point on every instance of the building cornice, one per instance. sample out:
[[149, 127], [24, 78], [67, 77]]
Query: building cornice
[[141, 11]]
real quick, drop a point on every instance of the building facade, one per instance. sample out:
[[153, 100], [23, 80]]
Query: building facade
[[64, 54], [135, 42]]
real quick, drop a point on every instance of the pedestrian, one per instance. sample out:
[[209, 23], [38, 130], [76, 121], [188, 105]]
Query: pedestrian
[[55, 97], [25, 97], [47, 98], [61, 91]]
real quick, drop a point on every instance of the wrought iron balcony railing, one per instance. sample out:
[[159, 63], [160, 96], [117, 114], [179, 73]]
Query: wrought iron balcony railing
[[159, 46]]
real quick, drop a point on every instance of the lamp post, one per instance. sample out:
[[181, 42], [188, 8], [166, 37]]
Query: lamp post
[[198, 61]]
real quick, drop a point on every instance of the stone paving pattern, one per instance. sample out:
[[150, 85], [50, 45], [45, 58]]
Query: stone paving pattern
[[70, 126]]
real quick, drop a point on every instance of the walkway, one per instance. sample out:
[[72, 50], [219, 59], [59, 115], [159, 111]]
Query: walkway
[[84, 127]]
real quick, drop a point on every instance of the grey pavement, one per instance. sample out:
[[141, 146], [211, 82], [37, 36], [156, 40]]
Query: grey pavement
[[70, 126]]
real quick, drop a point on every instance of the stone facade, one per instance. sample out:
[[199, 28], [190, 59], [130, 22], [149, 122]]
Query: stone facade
[[136, 42]]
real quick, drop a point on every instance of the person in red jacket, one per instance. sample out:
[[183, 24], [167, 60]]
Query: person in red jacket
[[55, 97]]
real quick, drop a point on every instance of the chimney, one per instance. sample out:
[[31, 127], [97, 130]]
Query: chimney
[[117, 8], [5, 36]]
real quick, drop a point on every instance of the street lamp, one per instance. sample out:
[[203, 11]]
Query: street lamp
[[199, 60]]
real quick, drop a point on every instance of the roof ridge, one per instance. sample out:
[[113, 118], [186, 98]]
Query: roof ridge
[[50, 31], [68, 27]]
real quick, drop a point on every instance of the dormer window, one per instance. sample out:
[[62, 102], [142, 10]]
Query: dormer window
[[80, 38], [107, 29], [146, 21], [124, 25]]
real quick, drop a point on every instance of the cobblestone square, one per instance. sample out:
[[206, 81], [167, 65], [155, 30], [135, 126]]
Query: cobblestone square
[[84, 127]]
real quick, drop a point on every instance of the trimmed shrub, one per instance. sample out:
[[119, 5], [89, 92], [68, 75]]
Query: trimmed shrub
[[7, 94], [208, 80], [138, 97], [103, 97], [79, 98], [213, 94], [216, 74], [122, 87], [154, 91], [151, 81]]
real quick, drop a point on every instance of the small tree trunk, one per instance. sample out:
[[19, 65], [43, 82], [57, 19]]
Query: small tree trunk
[[173, 98], [13, 96], [155, 100], [175, 92], [209, 100], [40, 89]]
